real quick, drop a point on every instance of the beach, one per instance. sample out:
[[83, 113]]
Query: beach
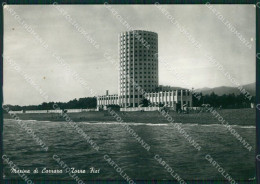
[[232, 116]]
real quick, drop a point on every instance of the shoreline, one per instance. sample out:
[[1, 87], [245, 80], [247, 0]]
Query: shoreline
[[232, 116]]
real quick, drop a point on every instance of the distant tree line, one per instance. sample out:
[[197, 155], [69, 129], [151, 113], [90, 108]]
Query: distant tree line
[[82, 103], [230, 101]]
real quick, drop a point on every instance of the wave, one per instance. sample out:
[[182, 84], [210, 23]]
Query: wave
[[211, 125], [190, 124], [144, 124], [239, 126], [162, 124], [233, 126], [30, 120], [118, 123]]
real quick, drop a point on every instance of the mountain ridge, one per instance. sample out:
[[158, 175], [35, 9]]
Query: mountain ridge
[[221, 90]]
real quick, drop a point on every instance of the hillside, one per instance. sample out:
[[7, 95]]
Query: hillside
[[227, 90]]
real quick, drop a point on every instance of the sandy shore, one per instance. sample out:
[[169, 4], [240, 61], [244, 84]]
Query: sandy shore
[[233, 116]]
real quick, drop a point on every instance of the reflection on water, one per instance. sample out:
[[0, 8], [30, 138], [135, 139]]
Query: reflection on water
[[115, 141]]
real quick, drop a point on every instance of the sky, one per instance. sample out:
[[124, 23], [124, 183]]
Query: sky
[[97, 71]]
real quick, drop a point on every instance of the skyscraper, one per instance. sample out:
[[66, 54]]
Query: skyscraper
[[138, 59], [138, 64]]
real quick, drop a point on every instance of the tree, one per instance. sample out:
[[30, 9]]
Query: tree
[[145, 102]]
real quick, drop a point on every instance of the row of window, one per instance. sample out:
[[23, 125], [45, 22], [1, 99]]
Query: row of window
[[153, 77], [125, 54], [137, 57], [142, 39], [108, 98], [126, 73], [131, 96], [131, 36], [126, 82], [127, 64], [136, 47], [162, 94], [124, 47], [140, 55], [131, 77], [138, 35], [136, 90], [138, 51], [125, 79], [127, 86], [169, 94], [137, 42], [126, 69], [127, 89], [154, 104], [141, 63], [140, 96]]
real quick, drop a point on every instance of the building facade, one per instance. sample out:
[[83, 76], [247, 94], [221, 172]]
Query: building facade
[[137, 65], [105, 100], [176, 99], [138, 58]]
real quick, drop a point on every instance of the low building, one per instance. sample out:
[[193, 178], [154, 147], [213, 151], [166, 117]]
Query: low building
[[175, 99], [105, 100]]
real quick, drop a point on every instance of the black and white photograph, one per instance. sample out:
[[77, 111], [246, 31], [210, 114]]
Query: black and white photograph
[[129, 92]]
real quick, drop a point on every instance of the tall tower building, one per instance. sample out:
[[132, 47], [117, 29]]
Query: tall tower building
[[138, 76], [138, 65]]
